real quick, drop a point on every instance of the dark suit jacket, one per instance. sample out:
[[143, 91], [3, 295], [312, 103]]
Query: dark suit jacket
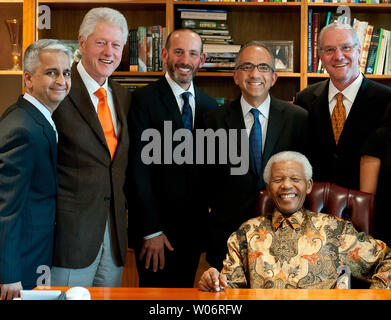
[[167, 197], [90, 185], [341, 164], [233, 197], [28, 188]]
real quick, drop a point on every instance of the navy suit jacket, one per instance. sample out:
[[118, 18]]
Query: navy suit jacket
[[340, 163], [28, 188], [233, 197], [166, 197]]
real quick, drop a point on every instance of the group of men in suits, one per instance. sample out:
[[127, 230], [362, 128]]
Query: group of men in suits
[[102, 173]]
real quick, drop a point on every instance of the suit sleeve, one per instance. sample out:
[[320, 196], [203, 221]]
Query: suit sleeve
[[16, 167], [145, 214]]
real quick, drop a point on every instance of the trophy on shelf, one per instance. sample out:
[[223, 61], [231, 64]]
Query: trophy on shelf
[[13, 28]]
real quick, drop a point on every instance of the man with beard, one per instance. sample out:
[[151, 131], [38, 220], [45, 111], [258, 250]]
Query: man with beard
[[167, 198]]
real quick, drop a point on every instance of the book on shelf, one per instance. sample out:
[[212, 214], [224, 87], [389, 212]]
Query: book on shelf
[[218, 37], [217, 32], [381, 54], [150, 41], [222, 48], [309, 45], [133, 83], [387, 67], [315, 33], [142, 48], [372, 50], [365, 48], [204, 24], [202, 14], [133, 50], [223, 65]]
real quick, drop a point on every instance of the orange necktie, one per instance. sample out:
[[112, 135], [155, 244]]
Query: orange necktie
[[338, 117], [106, 122]]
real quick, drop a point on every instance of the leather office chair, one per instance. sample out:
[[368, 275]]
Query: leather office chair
[[353, 205]]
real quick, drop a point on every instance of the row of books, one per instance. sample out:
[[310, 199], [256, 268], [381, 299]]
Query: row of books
[[212, 27], [375, 48], [243, 0], [145, 45], [375, 44], [351, 1]]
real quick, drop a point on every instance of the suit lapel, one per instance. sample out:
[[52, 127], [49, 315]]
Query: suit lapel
[[275, 124], [47, 129], [81, 100], [234, 120], [170, 102], [118, 101], [320, 105], [357, 111]]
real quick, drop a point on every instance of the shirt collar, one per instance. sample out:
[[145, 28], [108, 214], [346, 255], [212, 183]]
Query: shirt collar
[[295, 220], [350, 92], [263, 108], [176, 88], [88, 81]]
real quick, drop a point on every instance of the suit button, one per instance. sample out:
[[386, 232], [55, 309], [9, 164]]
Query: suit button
[[335, 156]]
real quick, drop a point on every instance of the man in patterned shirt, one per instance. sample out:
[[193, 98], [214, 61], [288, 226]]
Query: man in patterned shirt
[[293, 247]]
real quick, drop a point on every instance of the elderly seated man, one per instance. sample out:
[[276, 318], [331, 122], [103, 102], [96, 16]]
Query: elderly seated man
[[293, 247]]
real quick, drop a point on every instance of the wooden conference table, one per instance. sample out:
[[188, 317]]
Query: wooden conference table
[[100, 293]]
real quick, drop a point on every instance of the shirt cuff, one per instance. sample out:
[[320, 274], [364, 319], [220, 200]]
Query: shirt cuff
[[153, 235]]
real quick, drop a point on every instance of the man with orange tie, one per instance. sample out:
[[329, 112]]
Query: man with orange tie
[[342, 110], [93, 143]]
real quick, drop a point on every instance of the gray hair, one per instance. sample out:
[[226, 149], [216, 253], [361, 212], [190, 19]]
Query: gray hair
[[254, 43], [287, 156], [108, 15], [33, 51], [338, 25]]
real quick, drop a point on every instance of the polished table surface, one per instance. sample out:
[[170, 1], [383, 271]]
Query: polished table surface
[[101, 293]]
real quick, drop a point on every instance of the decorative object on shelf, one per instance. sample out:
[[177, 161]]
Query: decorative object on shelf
[[283, 54], [13, 28]]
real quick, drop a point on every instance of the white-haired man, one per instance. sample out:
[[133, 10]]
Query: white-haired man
[[91, 243], [28, 159], [342, 110], [293, 248]]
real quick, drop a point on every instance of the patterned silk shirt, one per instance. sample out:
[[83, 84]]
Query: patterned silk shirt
[[303, 251]]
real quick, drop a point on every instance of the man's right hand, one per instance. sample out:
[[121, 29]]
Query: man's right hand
[[154, 249], [10, 291], [212, 280]]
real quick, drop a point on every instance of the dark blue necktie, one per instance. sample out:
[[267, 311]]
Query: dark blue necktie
[[187, 115], [256, 142]]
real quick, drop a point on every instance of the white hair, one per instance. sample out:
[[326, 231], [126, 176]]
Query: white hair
[[108, 15], [338, 25], [31, 56], [287, 156]]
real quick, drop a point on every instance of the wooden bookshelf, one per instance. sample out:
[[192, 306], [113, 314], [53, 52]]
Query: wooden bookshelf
[[247, 21]]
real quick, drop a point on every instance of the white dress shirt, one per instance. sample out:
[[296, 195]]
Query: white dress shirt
[[349, 94], [45, 111], [92, 86], [248, 117], [177, 90]]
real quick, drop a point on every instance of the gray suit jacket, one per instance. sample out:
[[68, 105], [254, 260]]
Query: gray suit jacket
[[91, 186]]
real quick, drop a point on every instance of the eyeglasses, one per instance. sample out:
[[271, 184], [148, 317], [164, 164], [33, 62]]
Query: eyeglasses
[[344, 48], [248, 67]]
